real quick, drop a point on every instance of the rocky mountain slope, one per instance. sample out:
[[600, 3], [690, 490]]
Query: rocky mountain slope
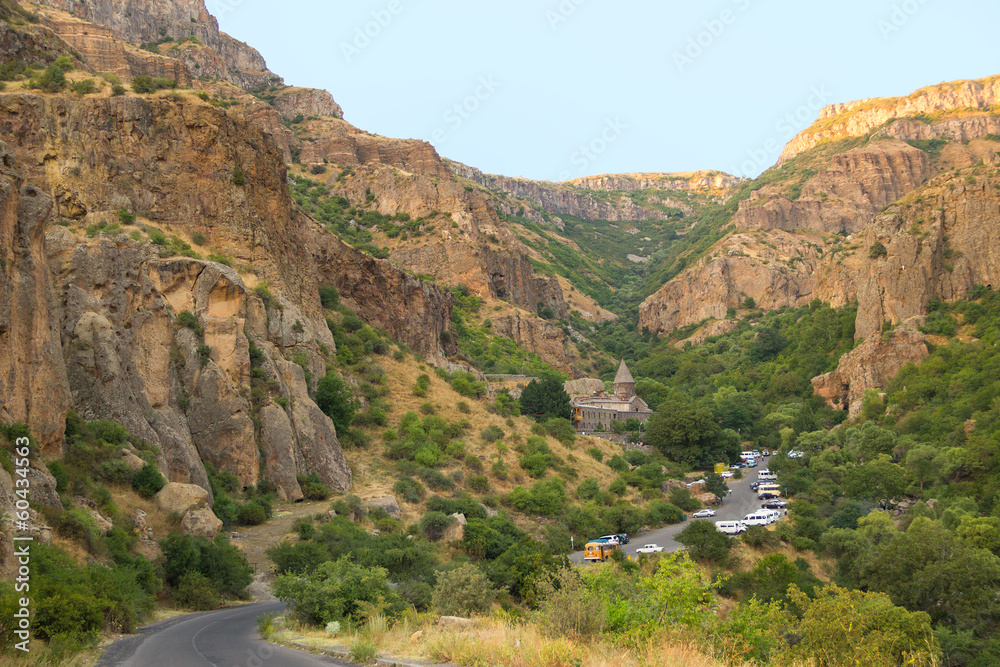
[[893, 218]]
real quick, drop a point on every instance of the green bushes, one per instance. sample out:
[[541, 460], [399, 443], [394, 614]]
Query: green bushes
[[337, 591], [463, 592], [409, 490], [148, 481], [224, 568], [313, 487], [537, 457], [545, 498], [143, 84], [705, 543]]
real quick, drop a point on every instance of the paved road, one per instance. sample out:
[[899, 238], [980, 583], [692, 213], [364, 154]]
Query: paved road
[[226, 638], [741, 502]]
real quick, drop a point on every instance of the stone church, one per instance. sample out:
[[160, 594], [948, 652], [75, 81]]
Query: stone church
[[597, 411]]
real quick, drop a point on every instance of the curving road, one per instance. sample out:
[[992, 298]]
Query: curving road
[[226, 638], [738, 504]]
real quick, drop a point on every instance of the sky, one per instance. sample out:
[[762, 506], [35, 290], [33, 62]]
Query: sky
[[560, 89]]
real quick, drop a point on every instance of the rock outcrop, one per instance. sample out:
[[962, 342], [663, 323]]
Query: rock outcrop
[[146, 21], [578, 198], [176, 498], [33, 381], [855, 119], [291, 102], [870, 366]]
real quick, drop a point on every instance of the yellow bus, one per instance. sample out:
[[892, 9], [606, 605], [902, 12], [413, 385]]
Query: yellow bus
[[598, 552]]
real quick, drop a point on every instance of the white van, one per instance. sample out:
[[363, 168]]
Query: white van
[[759, 518], [766, 477], [730, 527], [747, 455], [775, 515]]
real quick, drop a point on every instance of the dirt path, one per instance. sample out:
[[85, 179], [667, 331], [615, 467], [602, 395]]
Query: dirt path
[[254, 541]]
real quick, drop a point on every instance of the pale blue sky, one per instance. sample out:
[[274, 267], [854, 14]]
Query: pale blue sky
[[556, 89]]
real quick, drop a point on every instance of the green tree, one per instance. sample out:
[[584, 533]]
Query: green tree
[[920, 462], [880, 481], [335, 400], [705, 543], [546, 400], [842, 628], [685, 433]]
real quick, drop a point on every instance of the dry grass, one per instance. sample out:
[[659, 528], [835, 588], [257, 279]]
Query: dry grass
[[497, 642], [373, 475], [128, 502]]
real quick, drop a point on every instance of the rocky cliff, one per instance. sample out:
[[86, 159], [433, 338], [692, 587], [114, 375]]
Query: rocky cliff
[[146, 21], [855, 119], [589, 198]]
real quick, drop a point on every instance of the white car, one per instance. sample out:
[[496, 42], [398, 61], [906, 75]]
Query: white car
[[702, 514], [649, 549], [726, 474]]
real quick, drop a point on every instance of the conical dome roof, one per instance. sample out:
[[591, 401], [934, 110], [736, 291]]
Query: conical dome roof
[[624, 376]]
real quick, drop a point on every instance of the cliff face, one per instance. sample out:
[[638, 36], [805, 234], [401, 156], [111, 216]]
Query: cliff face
[[102, 51], [33, 383], [855, 119], [337, 142], [578, 198], [848, 190], [145, 21]]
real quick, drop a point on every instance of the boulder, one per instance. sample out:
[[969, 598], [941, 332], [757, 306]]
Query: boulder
[[386, 503], [456, 531], [179, 498], [456, 622], [133, 462], [201, 523]]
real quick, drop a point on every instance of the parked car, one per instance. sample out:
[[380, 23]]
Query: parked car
[[754, 485], [726, 474], [775, 504], [649, 549], [697, 481], [616, 539], [623, 538], [701, 514], [738, 465], [766, 452]]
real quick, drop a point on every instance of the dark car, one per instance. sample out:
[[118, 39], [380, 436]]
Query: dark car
[[624, 538], [774, 504]]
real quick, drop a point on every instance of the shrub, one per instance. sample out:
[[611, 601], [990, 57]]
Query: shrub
[[682, 498], [568, 608], [434, 523], [117, 90], [115, 471], [479, 483], [239, 178], [198, 238], [317, 169], [409, 490], [52, 80], [877, 250], [329, 296], [85, 87], [492, 433], [143, 84], [596, 454], [148, 481], [664, 513], [312, 487], [196, 591], [251, 514], [463, 592], [337, 591], [618, 487], [705, 543]]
